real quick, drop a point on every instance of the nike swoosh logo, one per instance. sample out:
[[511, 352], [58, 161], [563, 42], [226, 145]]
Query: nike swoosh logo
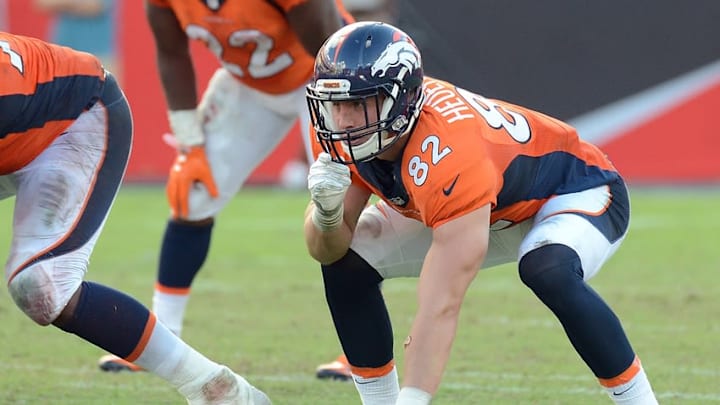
[[449, 190], [363, 382], [623, 391]]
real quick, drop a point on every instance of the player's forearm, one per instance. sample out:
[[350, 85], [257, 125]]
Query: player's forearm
[[429, 343], [326, 246], [428, 351], [313, 22], [444, 279], [177, 76]]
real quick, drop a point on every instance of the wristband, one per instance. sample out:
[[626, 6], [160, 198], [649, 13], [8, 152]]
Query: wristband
[[327, 220], [185, 125], [413, 396]]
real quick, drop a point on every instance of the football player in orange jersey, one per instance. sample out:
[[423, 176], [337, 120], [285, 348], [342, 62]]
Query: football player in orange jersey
[[464, 182], [65, 138], [266, 49]]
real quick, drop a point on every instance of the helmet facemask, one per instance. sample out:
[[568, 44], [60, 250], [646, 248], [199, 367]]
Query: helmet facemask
[[393, 105]]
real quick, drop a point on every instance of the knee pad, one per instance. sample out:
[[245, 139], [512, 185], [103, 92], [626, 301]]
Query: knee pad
[[38, 295], [550, 269], [350, 276]]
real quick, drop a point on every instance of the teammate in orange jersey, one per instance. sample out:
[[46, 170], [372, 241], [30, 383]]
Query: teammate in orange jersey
[[465, 183], [65, 138], [267, 50]]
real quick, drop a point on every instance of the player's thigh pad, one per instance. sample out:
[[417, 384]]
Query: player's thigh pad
[[593, 223], [242, 127], [396, 246], [52, 241]]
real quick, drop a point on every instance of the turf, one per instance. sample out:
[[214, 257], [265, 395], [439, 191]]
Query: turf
[[258, 306]]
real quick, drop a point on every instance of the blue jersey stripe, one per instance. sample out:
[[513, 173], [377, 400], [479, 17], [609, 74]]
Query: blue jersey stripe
[[28, 111], [530, 178]]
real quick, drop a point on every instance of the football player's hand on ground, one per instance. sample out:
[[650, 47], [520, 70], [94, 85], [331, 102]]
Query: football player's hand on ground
[[328, 182], [191, 166]]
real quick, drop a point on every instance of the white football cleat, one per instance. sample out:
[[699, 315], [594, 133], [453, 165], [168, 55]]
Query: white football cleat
[[224, 388]]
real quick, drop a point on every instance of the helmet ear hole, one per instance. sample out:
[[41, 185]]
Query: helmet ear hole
[[359, 62]]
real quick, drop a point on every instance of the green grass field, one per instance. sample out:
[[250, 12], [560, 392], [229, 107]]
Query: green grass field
[[258, 306]]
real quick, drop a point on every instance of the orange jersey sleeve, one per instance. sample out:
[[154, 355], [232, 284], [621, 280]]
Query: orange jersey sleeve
[[251, 38], [467, 151], [43, 89]]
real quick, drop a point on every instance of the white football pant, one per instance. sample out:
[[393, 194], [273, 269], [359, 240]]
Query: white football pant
[[396, 246], [51, 193], [242, 127]]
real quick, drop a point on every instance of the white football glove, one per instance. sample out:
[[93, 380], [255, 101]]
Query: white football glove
[[328, 182]]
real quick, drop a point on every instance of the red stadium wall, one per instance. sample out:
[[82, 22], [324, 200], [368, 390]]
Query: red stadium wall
[[679, 146], [23, 20]]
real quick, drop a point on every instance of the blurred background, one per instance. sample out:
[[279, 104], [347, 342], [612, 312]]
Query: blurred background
[[641, 79]]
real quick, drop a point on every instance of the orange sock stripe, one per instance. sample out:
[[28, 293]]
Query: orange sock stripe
[[624, 377], [372, 372], [144, 339], [172, 290]]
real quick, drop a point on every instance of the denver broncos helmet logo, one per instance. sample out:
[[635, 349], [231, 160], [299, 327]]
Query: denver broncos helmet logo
[[396, 54]]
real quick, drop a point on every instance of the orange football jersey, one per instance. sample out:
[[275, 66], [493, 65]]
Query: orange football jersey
[[43, 89], [467, 151], [252, 39]]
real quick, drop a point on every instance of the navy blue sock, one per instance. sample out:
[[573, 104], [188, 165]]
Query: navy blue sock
[[554, 273], [183, 252], [108, 318], [352, 290]]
